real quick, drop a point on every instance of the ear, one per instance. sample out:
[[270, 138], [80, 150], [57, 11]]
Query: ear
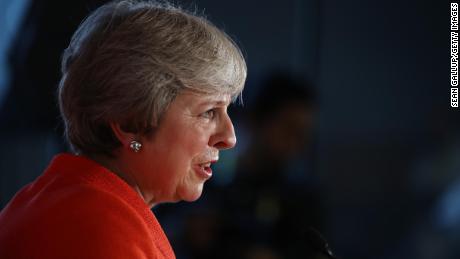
[[123, 136]]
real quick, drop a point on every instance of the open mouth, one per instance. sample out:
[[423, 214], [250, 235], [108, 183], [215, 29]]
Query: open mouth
[[207, 167], [205, 170]]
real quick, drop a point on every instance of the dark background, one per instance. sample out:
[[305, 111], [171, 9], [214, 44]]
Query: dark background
[[385, 142]]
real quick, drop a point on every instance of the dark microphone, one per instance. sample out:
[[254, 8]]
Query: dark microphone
[[318, 242]]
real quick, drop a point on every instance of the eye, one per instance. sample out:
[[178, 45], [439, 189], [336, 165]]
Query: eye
[[209, 114]]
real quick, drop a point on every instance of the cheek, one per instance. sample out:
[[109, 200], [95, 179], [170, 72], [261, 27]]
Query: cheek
[[193, 142]]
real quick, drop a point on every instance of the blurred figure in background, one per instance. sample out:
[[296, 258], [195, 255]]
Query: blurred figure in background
[[270, 204]]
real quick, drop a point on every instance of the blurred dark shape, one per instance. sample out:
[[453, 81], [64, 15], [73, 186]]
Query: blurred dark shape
[[200, 228], [280, 123], [29, 116], [319, 243], [261, 252]]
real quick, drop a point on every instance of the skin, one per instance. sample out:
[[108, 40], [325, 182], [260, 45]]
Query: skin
[[193, 130]]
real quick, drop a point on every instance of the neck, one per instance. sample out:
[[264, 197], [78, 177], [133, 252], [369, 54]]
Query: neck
[[113, 165]]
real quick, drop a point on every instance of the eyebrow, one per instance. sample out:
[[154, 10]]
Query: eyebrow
[[216, 102]]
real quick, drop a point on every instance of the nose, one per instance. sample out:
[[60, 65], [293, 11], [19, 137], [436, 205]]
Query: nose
[[225, 135]]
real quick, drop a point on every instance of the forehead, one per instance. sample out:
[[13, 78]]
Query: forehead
[[192, 98]]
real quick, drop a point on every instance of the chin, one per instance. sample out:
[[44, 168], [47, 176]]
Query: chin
[[192, 194]]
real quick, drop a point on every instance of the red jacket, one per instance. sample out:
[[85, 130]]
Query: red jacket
[[79, 209]]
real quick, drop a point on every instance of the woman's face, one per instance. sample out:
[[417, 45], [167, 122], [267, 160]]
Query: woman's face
[[174, 162]]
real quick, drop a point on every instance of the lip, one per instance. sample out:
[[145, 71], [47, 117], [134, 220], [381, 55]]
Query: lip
[[204, 170]]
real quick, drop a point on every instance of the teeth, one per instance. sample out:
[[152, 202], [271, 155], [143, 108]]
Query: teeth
[[206, 165]]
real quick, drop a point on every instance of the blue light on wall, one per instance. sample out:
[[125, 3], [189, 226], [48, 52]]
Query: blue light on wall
[[11, 13]]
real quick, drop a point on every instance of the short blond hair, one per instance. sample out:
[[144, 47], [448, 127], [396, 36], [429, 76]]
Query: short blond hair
[[128, 61]]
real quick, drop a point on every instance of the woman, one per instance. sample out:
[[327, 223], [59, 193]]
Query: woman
[[144, 97]]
